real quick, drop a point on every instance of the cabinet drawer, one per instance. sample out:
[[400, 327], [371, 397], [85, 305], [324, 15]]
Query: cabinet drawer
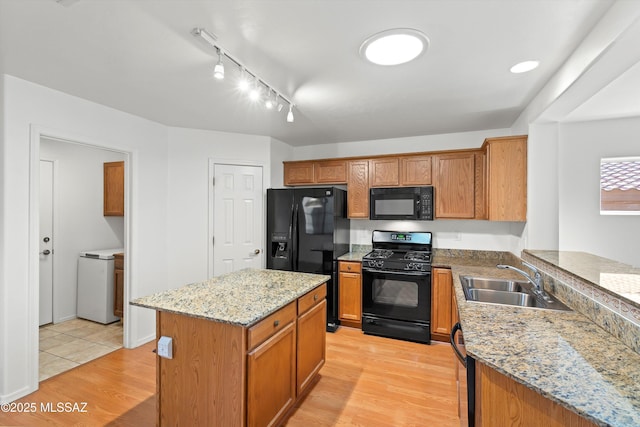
[[350, 267], [270, 325], [118, 262], [312, 298]]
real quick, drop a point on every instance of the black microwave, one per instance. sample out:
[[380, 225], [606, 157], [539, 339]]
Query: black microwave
[[401, 203]]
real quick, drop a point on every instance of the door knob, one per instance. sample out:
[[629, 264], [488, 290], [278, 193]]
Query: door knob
[[45, 252], [46, 240], [257, 251]]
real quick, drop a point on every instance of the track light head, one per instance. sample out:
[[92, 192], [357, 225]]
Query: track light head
[[254, 94], [243, 83], [218, 70], [290, 114]]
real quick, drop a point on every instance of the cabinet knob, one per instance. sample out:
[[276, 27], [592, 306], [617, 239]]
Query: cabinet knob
[[349, 267], [315, 297], [276, 323]]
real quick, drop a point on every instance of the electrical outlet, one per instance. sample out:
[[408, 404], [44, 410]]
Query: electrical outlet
[[165, 347]]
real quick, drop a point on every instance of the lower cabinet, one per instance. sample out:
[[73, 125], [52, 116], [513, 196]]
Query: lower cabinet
[[118, 285], [271, 378], [350, 293], [311, 353], [442, 304]]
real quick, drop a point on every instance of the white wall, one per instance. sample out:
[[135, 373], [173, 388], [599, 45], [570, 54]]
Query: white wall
[[53, 112], [581, 227], [190, 151], [280, 152], [79, 220], [452, 234]]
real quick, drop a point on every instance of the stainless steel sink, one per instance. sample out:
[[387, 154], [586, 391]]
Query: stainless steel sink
[[506, 292]]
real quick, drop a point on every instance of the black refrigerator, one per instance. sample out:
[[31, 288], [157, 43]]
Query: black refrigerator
[[307, 230]]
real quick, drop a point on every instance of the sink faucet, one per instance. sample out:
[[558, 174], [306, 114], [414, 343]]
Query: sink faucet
[[536, 281]]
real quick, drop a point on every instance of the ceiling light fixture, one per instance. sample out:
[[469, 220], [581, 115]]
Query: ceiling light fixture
[[523, 67], [245, 75], [394, 47]]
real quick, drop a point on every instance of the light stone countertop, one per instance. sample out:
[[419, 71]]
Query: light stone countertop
[[561, 355], [241, 298]]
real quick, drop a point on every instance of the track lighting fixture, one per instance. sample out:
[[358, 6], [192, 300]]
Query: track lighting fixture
[[274, 100]]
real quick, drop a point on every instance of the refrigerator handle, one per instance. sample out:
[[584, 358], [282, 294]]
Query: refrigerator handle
[[294, 237]]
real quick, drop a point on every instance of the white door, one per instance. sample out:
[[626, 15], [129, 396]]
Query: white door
[[46, 242], [238, 218]]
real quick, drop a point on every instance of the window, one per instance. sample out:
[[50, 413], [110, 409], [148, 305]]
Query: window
[[620, 186]]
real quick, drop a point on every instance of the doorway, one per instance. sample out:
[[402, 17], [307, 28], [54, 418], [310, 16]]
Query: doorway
[[71, 221], [237, 217]]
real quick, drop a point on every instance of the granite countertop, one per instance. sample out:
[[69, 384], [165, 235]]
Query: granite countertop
[[241, 298], [561, 355]]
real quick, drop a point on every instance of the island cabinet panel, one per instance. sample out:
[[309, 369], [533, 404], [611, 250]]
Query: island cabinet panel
[[454, 182], [312, 329], [204, 383], [384, 172], [298, 173], [358, 189], [271, 375], [415, 170], [501, 401], [330, 172], [441, 302]]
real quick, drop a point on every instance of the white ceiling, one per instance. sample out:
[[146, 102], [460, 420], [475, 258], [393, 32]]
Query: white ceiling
[[139, 56]]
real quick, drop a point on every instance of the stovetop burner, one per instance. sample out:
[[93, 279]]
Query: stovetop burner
[[380, 254], [399, 251], [418, 256]]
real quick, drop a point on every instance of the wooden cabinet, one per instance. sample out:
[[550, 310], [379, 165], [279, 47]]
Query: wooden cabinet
[[454, 181], [350, 293], [271, 371], [298, 173], [118, 285], [384, 172], [415, 170], [442, 306], [506, 178], [330, 172], [113, 191], [312, 326], [358, 189], [502, 401]]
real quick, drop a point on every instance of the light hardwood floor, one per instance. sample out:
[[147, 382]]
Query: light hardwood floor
[[366, 381]]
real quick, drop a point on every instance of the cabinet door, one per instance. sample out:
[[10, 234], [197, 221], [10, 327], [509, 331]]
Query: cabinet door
[[271, 378], [507, 178], [118, 300], [415, 170], [113, 193], [330, 172], [298, 173], [454, 181], [350, 299], [312, 330], [441, 304], [384, 172], [358, 189]]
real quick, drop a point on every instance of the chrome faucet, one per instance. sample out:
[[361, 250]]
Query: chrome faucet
[[536, 281]]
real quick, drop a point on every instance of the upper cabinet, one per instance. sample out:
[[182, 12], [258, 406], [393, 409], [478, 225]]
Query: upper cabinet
[[415, 170], [113, 192], [506, 181], [485, 183], [454, 182]]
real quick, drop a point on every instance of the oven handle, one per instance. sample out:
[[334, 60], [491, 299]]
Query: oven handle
[[452, 338], [400, 273]]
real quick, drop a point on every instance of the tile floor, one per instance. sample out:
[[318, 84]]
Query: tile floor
[[69, 344]]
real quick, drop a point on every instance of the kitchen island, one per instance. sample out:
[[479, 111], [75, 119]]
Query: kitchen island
[[245, 347]]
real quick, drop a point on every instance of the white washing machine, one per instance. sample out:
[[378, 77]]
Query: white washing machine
[[96, 285]]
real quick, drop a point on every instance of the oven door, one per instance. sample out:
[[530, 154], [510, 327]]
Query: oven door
[[396, 295]]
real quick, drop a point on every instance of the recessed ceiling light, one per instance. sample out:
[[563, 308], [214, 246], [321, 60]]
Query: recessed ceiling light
[[525, 66], [393, 47]]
